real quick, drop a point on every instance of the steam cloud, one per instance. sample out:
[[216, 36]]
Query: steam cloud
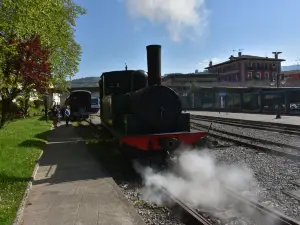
[[180, 17], [197, 180]]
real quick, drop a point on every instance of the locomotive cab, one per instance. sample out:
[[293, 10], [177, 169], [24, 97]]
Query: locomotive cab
[[114, 87]]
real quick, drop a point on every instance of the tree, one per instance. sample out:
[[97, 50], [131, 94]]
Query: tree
[[32, 65], [53, 23], [29, 69]]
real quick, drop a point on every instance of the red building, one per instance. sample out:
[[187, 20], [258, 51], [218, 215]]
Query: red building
[[292, 75], [243, 68]]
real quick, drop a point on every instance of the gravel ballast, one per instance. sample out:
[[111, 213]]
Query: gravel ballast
[[152, 214], [273, 174]]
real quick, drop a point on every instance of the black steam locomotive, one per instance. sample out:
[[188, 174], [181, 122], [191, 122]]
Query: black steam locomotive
[[80, 104], [143, 114]]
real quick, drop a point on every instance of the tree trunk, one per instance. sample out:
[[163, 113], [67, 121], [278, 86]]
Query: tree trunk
[[26, 104], [4, 111]]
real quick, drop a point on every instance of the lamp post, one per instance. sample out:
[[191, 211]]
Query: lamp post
[[275, 80], [46, 94], [298, 60]]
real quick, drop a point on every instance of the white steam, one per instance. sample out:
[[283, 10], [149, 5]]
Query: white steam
[[180, 17], [197, 180]]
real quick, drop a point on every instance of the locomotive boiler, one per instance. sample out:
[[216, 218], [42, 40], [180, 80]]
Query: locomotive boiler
[[142, 113]]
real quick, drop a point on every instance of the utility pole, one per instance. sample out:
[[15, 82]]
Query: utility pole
[[277, 77], [298, 60]]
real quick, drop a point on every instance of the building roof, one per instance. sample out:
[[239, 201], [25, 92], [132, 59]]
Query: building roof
[[190, 75], [245, 57], [291, 72]]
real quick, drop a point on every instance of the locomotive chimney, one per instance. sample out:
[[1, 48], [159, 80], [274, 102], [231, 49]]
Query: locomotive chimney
[[154, 64]]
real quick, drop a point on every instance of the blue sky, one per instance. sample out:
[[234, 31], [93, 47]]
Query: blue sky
[[191, 32]]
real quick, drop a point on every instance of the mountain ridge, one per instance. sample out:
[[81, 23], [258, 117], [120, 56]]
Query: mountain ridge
[[93, 81]]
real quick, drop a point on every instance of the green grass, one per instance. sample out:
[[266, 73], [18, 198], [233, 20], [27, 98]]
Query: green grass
[[21, 142]]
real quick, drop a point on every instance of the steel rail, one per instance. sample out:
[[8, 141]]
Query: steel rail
[[246, 144], [263, 141], [250, 124]]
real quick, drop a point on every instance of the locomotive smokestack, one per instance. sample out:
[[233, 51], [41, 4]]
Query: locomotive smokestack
[[154, 64]]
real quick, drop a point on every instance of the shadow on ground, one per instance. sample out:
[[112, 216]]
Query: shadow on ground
[[4, 178], [32, 143], [65, 158], [105, 149], [43, 135]]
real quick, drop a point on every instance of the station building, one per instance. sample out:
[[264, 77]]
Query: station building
[[243, 68]]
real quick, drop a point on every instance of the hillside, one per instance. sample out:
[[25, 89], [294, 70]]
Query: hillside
[[85, 82], [289, 68], [93, 81]]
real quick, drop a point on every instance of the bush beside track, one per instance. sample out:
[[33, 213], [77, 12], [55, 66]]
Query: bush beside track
[[20, 146]]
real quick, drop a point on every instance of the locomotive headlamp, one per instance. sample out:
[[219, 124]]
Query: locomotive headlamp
[[169, 144]]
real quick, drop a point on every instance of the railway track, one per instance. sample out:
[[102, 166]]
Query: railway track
[[284, 128], [289, 151], [192, 216], [267, 215]]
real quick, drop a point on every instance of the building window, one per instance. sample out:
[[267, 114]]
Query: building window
[[236, 77], [249, 75], [258, 75], [266, 66], [274, 65], [267, 75]]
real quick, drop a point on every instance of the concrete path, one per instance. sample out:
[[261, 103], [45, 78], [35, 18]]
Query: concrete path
[[294, 120], [70, 188]]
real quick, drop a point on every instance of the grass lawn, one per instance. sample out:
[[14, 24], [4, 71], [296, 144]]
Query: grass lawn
[[21, 142]]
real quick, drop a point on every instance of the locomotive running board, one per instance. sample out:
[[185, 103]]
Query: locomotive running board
[[153, 141]]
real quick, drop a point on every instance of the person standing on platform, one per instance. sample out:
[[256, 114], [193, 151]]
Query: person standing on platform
[[67, 115], [55, 115]]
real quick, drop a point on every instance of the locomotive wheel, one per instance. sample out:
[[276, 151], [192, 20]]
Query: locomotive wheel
[[205, 143]]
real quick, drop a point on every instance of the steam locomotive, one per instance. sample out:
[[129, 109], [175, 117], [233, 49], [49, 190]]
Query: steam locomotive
[[145, 116], [80, 104]]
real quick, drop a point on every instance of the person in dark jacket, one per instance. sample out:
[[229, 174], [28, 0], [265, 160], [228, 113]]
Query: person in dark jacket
[[55, 115], [67, 115], [62, 112]]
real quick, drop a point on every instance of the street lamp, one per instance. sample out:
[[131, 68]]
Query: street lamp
[[298, 60], [275, 80], [46, 94]]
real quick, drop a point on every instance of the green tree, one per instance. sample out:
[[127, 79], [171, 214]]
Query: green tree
[[53, 21]]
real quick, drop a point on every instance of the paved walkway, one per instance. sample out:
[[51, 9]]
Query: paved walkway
[[294, 120], [70, 188]]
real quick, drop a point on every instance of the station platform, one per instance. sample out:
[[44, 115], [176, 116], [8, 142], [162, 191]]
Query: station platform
[[70, 187], [285, 120]]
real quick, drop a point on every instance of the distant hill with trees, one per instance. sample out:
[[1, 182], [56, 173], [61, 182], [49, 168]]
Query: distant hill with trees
[[93, 81]]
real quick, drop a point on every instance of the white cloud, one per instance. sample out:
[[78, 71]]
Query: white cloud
[[289, 62], [205, 62], [182, 18]]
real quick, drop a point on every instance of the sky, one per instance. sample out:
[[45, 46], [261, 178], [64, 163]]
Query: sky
[[191, 32]]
